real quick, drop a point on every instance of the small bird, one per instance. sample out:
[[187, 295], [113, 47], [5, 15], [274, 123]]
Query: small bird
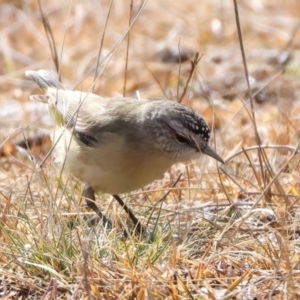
[[119, 144]]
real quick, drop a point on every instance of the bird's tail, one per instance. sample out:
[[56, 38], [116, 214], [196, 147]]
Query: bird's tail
[[44, 79]]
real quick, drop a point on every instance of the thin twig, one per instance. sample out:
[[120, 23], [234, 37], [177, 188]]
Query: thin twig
[[127, 50], [169, 191], [101, 43], [156, 79], [50, 38], [290, 148], [261, 154], [179, 71], [194, 64], [116, 47], [236, 12]]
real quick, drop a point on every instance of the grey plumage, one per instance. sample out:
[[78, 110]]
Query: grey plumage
[[116, 145]]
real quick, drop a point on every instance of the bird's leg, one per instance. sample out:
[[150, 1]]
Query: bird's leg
[[89, 195], [139, 228]]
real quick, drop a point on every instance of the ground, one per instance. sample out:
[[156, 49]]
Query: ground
[[215, 231]]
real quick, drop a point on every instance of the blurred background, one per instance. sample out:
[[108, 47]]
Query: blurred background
[[155, 56]]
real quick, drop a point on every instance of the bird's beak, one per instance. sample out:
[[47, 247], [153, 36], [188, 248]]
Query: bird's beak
[[210, 152]]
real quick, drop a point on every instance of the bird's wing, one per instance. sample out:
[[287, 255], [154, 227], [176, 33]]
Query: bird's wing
[[92, 118]]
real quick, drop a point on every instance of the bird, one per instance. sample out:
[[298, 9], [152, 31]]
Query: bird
[[116, 145]]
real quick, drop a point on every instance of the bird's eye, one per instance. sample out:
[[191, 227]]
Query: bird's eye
[[182, 139]]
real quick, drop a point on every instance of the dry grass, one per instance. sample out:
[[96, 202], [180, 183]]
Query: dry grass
[[221, 233]]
